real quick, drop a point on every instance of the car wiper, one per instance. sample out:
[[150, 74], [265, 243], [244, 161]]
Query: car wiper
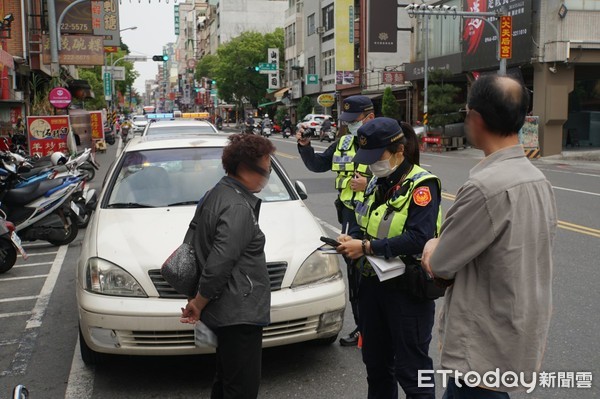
[[183, 203], [129, 205]]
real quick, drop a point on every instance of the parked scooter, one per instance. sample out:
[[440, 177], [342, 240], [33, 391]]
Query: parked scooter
[[10, 244], [84, 198], [42, 210]]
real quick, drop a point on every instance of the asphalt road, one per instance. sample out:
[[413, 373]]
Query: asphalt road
[[38, 318]]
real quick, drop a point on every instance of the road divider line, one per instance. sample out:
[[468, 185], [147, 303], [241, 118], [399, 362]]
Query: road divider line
[[14, 314], [81, 378], [24, 277], [563, 225], [283, 154], [18, 298], [576, 191]]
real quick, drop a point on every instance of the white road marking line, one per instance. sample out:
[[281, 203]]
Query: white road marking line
[[424, 164], [42, 253], [328, 226], [24, 277], [23, 355], [18, 298], [32, 264], [9, 342], [570, 173], [37, 244], [81, 378], [576, 191], [5, 315], [44, 297]]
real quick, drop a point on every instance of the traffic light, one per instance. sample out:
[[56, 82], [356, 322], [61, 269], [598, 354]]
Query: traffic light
[[253, 69], [160, 58], [214, 82]]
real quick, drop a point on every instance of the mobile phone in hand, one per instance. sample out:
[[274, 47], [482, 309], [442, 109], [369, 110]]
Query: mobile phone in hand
[[330, 241]]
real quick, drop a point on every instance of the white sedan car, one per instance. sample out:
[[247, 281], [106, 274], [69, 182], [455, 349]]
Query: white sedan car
[[149, 198]]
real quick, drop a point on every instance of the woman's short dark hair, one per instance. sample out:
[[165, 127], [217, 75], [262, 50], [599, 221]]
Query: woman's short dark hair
[[410, 142], [502, 106], [246, 149]]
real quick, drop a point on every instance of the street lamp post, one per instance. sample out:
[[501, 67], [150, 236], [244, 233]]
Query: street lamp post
[[111, 69], [439, 10], [132, 58]]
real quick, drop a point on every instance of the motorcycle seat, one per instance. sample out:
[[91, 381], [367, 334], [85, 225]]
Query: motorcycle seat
[[25, 195], [35, 171]]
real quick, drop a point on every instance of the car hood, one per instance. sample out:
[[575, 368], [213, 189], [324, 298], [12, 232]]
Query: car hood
[[142, 239]]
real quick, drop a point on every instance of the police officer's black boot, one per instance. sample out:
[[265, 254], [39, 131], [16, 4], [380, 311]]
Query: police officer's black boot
[[351, 339]]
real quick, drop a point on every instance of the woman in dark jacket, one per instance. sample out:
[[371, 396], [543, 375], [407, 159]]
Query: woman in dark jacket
[[234, 294]]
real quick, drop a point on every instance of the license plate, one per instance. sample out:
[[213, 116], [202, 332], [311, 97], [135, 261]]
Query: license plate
[[75, 208], [17, 243]]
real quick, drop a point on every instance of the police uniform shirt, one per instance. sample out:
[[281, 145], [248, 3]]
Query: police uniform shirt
[[422, 218]]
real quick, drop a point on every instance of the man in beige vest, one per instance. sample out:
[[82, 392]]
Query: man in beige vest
[[496, 246]]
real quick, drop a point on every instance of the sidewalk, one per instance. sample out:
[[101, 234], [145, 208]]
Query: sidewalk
[[582, 157]]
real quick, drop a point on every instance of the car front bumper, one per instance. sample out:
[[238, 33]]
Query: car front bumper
[[150, 326]]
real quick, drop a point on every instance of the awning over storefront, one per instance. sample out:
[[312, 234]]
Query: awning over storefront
[[269, 103]]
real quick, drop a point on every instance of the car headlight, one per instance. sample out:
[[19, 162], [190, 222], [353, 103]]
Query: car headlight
[[317, 268], [103, 277]]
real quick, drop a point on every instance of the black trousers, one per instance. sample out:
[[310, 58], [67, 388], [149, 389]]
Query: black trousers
[[349, 219], [396, 332], [239, 357]]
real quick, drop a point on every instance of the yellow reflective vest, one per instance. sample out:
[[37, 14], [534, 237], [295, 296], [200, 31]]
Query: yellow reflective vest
[[343, 165], [388, 219]]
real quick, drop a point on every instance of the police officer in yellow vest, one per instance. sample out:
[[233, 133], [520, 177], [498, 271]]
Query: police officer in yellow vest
[[350, 181], [401, 212]]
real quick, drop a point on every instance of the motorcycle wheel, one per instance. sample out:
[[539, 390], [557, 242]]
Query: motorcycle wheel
[[88, 171], [8, 255], [70, 234]]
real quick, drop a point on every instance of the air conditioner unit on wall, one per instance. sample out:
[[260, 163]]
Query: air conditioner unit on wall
[[19, 95], [320, 30]]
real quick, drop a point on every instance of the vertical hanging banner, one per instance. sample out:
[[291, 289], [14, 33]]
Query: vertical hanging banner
[[506, 31], [383, 26], [96, 125], [47, 134], [273, 58], [176, 11], [344, 41]]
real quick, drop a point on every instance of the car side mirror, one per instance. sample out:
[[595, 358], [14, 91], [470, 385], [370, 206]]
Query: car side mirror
[[301, 190]]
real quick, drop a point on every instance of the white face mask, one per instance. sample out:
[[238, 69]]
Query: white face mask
[[354, 126], [383, 168]]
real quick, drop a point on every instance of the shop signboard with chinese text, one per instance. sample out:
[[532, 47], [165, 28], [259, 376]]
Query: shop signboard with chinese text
[[48, 134], [480, 42], [97, 126], [77, 20], [506, 37], [105, 21], [76, 50]]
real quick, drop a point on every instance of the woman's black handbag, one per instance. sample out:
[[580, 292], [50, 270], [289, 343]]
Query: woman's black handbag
[[181, 269], [419, 284]]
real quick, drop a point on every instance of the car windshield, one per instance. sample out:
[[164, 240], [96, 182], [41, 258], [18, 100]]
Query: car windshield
[[319, 119], [176, 176], [198, 129], [139, 119]]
